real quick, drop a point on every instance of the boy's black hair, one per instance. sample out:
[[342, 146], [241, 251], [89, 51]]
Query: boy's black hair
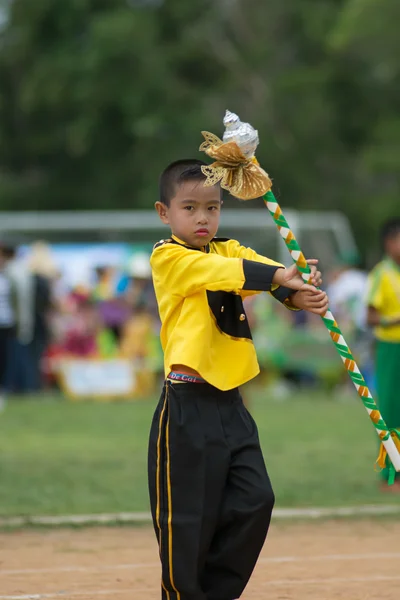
[[188, 169], [390, 229]]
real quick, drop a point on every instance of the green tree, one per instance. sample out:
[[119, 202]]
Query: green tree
[[96, 96], [365, 41]]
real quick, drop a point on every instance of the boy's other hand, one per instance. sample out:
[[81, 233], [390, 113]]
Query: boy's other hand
[[292, 278], [316, 303]]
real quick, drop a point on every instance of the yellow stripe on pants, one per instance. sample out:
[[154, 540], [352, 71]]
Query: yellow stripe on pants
[[171, 567], [158, 473]]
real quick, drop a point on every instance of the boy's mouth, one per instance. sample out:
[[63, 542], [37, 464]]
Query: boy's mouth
[[202, 232]]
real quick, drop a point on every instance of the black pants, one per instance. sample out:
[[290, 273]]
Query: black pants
[[211, 498]]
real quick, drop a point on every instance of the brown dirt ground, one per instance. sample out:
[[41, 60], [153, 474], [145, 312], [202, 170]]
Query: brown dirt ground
[[335, 560]]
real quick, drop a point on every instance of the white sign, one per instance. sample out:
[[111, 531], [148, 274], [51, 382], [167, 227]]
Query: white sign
[[87, 378]]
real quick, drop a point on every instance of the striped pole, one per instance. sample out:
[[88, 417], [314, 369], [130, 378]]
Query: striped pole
[[388, 437]]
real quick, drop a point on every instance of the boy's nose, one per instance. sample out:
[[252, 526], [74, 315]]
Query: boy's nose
[[202, 220]]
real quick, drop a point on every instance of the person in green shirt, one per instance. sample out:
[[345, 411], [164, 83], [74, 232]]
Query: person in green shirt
[[383, 315]]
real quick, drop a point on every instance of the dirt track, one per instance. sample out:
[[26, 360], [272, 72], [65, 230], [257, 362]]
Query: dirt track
[[340, 560]]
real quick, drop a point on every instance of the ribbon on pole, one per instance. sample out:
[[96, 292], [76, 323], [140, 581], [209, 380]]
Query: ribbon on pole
[[238, 171]]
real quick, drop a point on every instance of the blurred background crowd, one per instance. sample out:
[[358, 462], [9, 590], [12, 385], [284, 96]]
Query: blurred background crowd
[[97, 96], [46, 319]]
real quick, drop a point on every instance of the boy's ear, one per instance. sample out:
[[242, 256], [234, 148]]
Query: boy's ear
[[162, 210]]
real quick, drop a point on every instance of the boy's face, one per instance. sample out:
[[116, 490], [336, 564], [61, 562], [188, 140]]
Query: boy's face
[[393, 247], [194, 212]]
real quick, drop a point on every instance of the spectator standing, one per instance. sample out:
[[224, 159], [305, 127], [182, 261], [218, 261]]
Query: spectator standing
[[139, 340], [140, 290], [7, 320], [113, 308], [30, 282], [44, 273], [20, 371], [384, 315], [347, 290]]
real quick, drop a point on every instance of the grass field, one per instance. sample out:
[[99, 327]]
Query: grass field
[[59, 457]]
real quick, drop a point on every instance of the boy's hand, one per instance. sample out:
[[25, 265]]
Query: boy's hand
[[316, 303], [291, 278]]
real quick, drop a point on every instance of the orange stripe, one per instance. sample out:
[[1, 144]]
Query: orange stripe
[[350, 364], [375, 417], [158, 481], [334, 335], [171, 566]]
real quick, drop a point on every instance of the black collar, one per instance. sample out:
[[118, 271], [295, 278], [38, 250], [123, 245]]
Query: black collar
[[176, 240]]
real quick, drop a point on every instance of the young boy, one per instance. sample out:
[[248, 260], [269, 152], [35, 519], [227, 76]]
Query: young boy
[[210, 493], [384, 315]]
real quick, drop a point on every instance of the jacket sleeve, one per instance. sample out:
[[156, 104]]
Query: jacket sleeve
[[280, 293], [184, 271]]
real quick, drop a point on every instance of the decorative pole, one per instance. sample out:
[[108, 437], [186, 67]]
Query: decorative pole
[[238, 171]]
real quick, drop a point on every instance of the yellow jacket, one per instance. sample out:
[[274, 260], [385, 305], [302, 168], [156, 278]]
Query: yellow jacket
[[199, 294]]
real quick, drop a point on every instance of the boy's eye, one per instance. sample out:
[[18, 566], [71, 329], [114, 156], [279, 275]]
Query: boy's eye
[[213, 208], [188, 207]]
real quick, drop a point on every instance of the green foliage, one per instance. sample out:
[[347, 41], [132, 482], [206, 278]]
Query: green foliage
[[96, 96], [81, 458]]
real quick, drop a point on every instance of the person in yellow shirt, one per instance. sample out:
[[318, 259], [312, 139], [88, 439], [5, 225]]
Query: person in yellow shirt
[[210, 494], [384, 316]]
